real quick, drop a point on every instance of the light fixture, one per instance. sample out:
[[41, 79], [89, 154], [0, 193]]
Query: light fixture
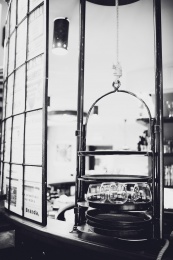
[[60, 36]]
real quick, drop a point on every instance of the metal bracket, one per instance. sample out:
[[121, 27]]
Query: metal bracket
[[76, 210], [157, 129], [48, 101], [77, 133]]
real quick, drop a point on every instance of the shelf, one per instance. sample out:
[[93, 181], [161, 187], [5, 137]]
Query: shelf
[[122, 152], [119, 178], [169, 187], [128, 206], [145, 121], [168, 154]]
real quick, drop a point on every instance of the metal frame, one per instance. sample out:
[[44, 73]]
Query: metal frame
[[156, 126], [43, 108]]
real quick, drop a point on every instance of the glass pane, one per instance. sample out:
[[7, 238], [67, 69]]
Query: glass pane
[[11, 53], [17, 139], [22, 9], [9, 95], [6, 182], [13, 16], [35, 83], [7, 144], [19, 91], [34, 3], [16, 189], [33, 138], [21, 43], [35, 41], [4, 101]]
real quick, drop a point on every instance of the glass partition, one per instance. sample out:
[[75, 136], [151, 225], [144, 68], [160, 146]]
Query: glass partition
[[24, 122]]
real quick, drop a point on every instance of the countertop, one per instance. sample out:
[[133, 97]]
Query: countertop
[[86, 241]]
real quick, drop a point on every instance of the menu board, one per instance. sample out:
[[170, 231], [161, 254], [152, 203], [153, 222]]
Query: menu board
[[15, 188], [23, 146], [33, 193]]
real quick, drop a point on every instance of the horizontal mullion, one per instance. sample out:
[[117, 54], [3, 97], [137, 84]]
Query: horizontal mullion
[[21, 113], [22, 164], [35, 8]]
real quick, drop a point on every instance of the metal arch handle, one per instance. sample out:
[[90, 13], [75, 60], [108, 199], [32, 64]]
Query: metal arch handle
[[121, 91]]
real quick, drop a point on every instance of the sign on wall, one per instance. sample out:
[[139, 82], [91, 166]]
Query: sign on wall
[[24, 123]]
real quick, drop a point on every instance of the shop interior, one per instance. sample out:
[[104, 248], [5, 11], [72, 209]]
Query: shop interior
[[116, 124]]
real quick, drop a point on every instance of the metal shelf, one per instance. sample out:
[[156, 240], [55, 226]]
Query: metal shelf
[[168, 154], [113, 177], [121, 152], [145, 121]]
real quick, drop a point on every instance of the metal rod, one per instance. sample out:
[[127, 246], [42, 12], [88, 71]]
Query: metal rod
[[80, 102], [159, 118], [44, 123]]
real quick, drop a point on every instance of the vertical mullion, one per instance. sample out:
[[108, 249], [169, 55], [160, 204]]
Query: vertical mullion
[[80, 104], [12, 118], [159, 117], [6, 83], [9, 182], [24, 130], [44, 114]]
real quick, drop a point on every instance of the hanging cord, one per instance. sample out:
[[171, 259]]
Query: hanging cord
[[117, 21], [162, 251], [117, 70]]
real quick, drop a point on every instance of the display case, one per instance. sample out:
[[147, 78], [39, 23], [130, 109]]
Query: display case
[[125, 207]]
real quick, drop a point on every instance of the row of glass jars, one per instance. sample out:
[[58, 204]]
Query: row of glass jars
[[119, 193]]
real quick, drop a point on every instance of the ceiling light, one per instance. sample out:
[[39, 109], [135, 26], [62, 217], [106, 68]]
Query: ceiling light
[[60, 36]]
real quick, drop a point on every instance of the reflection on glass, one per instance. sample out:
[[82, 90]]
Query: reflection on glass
[[104, 191], [118, 193], [93, 193], [170, 108], [141, 193]]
